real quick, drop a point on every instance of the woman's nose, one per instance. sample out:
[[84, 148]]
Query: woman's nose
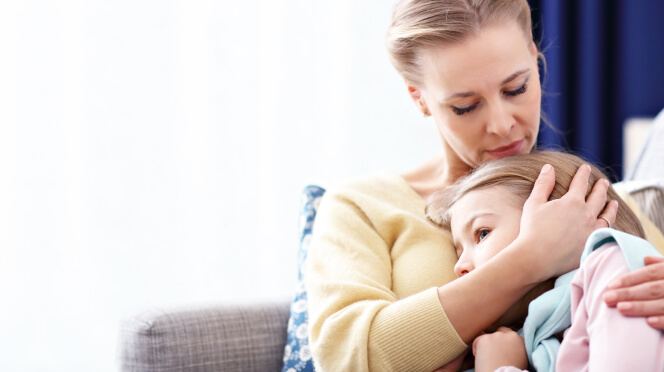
[[501, 120], [464, 265]]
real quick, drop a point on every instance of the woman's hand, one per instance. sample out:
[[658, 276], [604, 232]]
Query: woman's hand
[[640, 293], [501, 348], [555, 231]]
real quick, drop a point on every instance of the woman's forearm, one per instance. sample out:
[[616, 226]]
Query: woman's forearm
[[475, 301]]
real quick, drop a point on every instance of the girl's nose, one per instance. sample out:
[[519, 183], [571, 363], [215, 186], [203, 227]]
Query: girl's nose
[[464, 265]]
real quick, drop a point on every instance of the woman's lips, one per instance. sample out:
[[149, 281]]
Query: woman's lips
[[511, 149]]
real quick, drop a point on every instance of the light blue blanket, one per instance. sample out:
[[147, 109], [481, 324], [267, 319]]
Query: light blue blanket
[[550, 313]]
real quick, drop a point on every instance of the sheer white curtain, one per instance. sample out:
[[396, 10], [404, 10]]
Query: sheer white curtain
[[152, 154]]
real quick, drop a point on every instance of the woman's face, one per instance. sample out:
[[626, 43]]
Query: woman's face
[[484, 95]]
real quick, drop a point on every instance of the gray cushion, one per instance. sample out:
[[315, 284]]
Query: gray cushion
[[245, 337]]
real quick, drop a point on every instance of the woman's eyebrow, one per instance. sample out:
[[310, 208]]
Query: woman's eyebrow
[[514, 76], [469, 94], [459, 95]]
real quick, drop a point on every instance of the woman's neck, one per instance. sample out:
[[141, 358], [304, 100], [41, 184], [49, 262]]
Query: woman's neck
[[434, 174]]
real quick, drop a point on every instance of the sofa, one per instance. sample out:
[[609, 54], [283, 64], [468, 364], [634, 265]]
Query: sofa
[[231, 337], [252, 336]]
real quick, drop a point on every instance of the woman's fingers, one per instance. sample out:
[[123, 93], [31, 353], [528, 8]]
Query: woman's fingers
[[656, 322], [649, 260], [610, 213], [640, 293], [653, 311], [596, 200], [641, 308], [653, 271], [579, 184], [543, 185]]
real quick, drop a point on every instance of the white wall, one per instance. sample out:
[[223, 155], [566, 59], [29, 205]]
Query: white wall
[[152, 154]]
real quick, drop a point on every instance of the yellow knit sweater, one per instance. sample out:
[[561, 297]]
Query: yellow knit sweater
[[373, 268]]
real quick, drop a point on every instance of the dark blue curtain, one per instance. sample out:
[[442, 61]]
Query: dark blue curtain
[[605, 62]]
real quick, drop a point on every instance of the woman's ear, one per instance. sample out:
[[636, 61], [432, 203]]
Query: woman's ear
[[533, 49], [417, 97]]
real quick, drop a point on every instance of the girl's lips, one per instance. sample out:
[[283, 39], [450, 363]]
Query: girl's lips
[[511, 149]]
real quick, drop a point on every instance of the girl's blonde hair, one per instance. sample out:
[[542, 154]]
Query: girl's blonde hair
[[419, 24], [519, 174]]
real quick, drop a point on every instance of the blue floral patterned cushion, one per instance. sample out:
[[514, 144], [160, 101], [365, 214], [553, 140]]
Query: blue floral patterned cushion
[[297, 355]]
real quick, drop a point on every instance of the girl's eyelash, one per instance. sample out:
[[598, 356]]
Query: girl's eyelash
[[478, 232], [516, 92], [462, 110]]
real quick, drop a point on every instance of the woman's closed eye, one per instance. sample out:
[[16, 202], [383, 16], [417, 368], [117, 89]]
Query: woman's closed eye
[[510, 93], [522, 89], [463, 110], [480, 234]]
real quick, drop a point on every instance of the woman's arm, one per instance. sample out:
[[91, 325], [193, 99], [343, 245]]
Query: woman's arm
[[552, 237]]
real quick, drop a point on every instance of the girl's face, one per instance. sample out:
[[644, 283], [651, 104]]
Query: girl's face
[[484, 95], [484, 222]]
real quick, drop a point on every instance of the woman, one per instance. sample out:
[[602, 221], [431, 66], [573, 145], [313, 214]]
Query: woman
[[483, 212], [382, 294]]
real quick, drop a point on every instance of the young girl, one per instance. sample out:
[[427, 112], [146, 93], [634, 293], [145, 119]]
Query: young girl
[[483, 211]]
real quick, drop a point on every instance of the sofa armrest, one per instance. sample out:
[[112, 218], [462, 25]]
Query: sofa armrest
[[648, 196], [243, 337]]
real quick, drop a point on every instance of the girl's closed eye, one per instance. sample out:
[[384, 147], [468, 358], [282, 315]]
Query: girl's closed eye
[[480, 234]]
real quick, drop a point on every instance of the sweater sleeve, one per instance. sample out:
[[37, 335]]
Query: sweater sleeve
[[356, 321]]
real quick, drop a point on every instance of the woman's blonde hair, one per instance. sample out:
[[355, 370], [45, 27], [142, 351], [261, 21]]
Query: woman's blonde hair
[[519, 174], [419, 24]]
